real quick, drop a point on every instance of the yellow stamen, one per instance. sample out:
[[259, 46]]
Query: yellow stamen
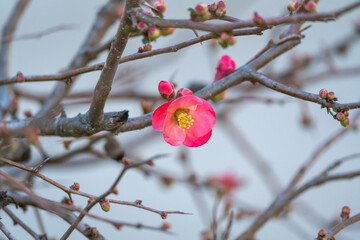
[[184, 119]]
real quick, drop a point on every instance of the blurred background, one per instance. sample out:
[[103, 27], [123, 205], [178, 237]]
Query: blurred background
[[283, 132]]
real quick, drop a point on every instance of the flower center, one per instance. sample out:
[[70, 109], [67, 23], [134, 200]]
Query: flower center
[[184, 119]]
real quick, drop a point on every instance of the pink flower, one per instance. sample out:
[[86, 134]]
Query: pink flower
[[187, 120], [229, 181], [224, 67]]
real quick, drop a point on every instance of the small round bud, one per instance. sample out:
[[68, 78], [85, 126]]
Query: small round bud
[[90, 200], [166, 225], [293, 5], [105, 205], [345, 212], [114, 191], [94, 232], [340, 116], [201, 9], [147, 47], [75, 186], [321, 233], [20, 77], [168, 181], [167, 31], [232, 40], [258, 19], [223, 40], [346, 113], [183, 92], [126, 161], [153, 33], [213, 7], [140, 50], [141, 24], [220, 12], [345, 122], [166, 89], [163, 215], [310, 6], [151, 163], [28, 114], [160, 6], [331, 96], [67, 201], [323, 93], [221, 4]]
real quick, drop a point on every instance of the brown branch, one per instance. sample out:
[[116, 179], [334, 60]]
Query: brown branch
[[341, 225], [279, 87], [224, 27], [132, 57], [6, 232]]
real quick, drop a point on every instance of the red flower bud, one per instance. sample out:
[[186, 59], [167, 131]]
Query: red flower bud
[[151, 163], [167, 31], [346, 113], [331, 96], [323, 93], [94, 232], [105, 205], [220, 12], [258, 19], [213, 7], [183, 91], [153, 33], [201, 9], [141, 24], [321, 233], [147, 47], [293, 5], [28, 114], [160, 6], [310, 6], [163, 215], [166, 89], [340, 116], [75, 186], [221, 4], [126, 161], [20, 77], [345, 212], [140, 50], [166, 225]]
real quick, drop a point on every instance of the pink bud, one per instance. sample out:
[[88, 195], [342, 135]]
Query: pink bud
[[105, 205], [310, 6], [160, 6], [141, 24], [232, 40], [293, 5], [346, 113], [153, 33], [151, 163], [213, 7], [201, 8], [183, 91], [166, 89], [258, 19], [75, 186], [147, 47], [340, 116], [167, 31], [126, 161], [28, 114], [20, 77], [140, 50], [321, 233], [166, 225], [225, 66], [323, 93], [221, 4], [345, 212], [94, 232], [220, 12], [331, 96]]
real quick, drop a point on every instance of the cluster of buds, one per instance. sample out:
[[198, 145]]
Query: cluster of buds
[[310, 6], [345, 212], [200, 12], [293, 5], [167, 90], [160, 6], [341, 115], [218, 8], [146, 48], [226, 39]]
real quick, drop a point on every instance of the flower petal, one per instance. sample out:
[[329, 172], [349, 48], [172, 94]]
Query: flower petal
[[186, 102], [159, 115], [204, 120], [173, 135], [191, 141]]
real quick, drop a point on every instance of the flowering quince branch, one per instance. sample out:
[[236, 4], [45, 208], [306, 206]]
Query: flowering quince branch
[[341, 225]]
